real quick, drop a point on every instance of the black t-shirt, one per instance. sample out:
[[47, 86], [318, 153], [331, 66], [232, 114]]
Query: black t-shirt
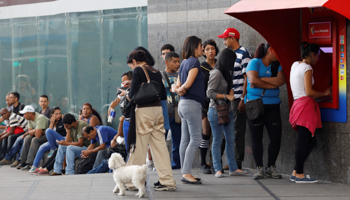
[[18, 108], [139, 77]]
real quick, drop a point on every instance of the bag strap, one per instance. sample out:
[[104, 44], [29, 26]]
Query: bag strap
[[168, 81], [146, 73]]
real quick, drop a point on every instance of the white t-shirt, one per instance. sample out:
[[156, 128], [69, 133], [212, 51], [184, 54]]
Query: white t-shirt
[[297, 79]]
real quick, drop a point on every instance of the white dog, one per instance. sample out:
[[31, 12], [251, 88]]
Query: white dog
[[127, 174]]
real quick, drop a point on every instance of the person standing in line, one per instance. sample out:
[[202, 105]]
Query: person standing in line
[[231, 40], [191, 89], [305, 114], [211, 50], [265, 75], [169, 75], [220, 92], [166, 49]]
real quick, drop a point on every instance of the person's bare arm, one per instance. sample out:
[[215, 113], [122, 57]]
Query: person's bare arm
[[308, 87], [91, 149], [192, 74], [257, 82], [113, 105], [277, 81], [6, 134], [79, 143], [94, 121], [39, 132]]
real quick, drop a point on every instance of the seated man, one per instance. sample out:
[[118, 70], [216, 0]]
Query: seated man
[[72, 146], [3, 122], [34, 137], [17, 125], [102, 134]]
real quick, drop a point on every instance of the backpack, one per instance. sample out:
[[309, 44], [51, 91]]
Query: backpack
[[86, 164]]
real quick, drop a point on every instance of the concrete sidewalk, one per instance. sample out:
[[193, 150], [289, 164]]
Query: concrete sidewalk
[[15, 184]]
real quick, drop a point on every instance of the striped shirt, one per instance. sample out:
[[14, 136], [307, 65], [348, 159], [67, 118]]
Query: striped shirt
[[17, 120], [243, 57]]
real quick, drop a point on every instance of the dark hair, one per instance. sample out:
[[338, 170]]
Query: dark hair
[[261, 51], [127, 74], [307, 48], [138, 55], [225, 64], [87, 129], [45, 96], [149, 59], [212, 43], [167, 46], [68, 119], [94, 112], [16, 95], [53, 109], [191, 43], [170, 55]]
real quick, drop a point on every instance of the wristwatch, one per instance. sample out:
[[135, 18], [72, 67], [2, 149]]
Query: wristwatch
[[242, 98]]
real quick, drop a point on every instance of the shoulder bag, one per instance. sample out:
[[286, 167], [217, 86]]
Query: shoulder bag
[[148, 92], [255, 108], [177, 116], [223, 113]]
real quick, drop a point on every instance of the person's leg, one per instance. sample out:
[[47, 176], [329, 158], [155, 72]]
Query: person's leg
[[52, 136], [205, 140], [51, 161], [58, 165], [302, 150], [12, 139], [192, 113], [39, 155], [158, 144], [217, 130], [126, 125], [185, 135], [175, 141], [25, 149], [256, 129], [230, 141], [15, 148], [240, 128], [101, 155], [72, 153], [3, 150], [34, 147], [273, 125], [102, 168]]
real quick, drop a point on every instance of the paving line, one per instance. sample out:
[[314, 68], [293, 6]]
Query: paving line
[[267, 190], [31, 190], [148, 188]]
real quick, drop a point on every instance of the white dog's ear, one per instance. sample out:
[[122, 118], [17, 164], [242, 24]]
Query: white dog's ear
[[112, 161], [119, 160]]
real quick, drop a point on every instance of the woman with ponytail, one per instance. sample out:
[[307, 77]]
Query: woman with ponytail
[[147, 122], [90, 115], [265, 75], [305, 114]]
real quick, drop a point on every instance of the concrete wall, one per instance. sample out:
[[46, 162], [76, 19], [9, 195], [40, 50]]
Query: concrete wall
[[171, 21]]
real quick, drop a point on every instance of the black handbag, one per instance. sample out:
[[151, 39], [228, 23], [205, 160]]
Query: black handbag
[[255, 108], [148, 92]]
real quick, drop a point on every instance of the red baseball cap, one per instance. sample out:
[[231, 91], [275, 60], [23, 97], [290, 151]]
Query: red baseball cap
[[230, 32]]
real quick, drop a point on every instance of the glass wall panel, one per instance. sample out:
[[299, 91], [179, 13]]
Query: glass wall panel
[[73, 58]]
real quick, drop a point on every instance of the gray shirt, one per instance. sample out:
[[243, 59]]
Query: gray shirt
[[217, 85], [171, 105]]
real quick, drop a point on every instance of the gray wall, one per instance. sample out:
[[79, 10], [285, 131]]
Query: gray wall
[[171, 21]]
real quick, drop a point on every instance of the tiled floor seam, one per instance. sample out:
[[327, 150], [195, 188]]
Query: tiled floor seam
[[31, 190], [267, 190], [148, 188]]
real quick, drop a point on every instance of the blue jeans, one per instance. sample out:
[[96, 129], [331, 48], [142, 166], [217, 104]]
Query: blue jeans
[[102, 168], [126, 125], [175, 141], [190, 112], [229, 132], [71, 153], [40, 154], [15, 148], [52, 136]]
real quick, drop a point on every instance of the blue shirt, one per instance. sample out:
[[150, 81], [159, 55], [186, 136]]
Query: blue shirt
[[196, 91], [271, 95], [104, 134]]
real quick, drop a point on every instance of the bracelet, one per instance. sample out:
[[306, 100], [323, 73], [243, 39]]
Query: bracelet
[[225, 97]]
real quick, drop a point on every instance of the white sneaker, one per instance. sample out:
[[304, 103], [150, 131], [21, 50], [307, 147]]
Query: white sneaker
[[150, 165]]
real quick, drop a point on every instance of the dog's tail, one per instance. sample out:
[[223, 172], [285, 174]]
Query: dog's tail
[[144, 168]]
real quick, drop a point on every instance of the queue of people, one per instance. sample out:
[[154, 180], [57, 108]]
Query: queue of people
[[192, 100]]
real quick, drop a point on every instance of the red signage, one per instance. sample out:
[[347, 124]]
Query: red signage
[[320, 30]]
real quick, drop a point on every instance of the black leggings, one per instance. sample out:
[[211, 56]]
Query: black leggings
[[50, 162], [304, 145], [272, 121]]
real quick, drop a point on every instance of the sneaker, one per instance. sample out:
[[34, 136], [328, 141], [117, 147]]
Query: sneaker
[[150, 166], [15, 164], [234, 173], [50, 153], [161, 187], [292, 178], [205, 169], [54, 174], [218, 175], [306, 179], [5, 162], [42, 172], [20, 166], [33, 169], [272, 173], [25, 168], [259, 173], [156, 184]]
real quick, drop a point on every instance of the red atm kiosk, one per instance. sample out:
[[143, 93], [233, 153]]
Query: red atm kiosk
[[286, 23]]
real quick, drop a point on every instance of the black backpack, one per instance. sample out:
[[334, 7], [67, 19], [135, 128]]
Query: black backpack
[[86, 164]]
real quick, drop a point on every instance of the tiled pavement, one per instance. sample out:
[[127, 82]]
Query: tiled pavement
[[18, 185]]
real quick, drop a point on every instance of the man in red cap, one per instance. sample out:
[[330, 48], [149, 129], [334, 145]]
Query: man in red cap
[[231, 40]]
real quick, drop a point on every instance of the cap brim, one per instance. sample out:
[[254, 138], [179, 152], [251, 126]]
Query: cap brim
[[22, 112], [222, 36]]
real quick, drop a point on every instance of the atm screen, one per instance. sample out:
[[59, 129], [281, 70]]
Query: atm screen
[[327, 49]]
